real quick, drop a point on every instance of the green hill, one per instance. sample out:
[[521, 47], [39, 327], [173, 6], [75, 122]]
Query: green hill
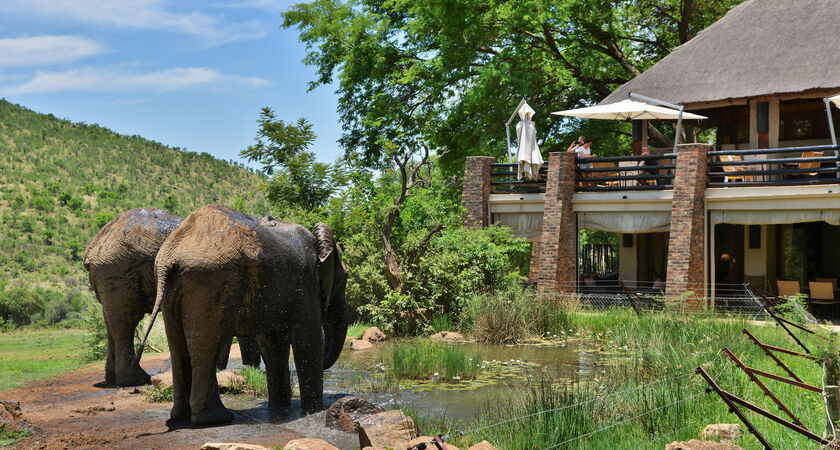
[[61, 181]]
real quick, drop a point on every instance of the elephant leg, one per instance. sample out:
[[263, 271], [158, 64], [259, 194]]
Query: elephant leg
[[122, 319], [275, 349], [181, 367], [224, 355], [249, 348], [110, 369], [309, 361]]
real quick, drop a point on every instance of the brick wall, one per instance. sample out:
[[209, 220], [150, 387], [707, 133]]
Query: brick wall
[[558, 245], [475, 196], [686, 256], [534, 268]]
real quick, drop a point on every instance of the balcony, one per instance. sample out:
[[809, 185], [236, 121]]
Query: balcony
[[794, 166]]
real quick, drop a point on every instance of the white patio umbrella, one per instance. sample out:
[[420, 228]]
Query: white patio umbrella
[[627, 110], [528, 157], [835, 100]]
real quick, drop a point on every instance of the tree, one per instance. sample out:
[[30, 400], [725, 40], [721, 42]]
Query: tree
[[448, 72], [281, 149]]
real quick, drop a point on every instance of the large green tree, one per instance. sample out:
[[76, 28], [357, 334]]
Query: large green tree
[[449, 72]]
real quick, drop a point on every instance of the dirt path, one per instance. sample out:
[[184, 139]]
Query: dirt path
[[72, 412]]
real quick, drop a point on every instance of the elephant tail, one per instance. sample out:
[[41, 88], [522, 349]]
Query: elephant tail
[[162, 279]]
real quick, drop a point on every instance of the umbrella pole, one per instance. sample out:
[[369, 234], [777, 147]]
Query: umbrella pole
[[830, 121]]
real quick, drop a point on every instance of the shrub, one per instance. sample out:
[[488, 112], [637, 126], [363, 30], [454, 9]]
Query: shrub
[[102, 218], [161, 395], [510, 317], [95, 345], [20, 306]]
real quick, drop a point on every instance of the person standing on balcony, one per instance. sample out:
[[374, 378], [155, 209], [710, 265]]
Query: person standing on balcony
[[583, 148]]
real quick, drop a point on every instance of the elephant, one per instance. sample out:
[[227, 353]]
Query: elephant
[[222, 269], [120, 264]]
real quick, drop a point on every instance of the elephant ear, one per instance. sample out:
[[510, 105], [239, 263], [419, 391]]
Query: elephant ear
[[324, 248]]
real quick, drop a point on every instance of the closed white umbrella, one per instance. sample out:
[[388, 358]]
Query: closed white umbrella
[[528, 155], [627, 110]]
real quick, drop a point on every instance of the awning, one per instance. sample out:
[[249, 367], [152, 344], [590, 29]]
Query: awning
[[526, 225], [626, 222], [745, 217]]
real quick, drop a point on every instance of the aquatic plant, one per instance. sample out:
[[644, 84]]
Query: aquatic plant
[[426, 360], [511, 317]]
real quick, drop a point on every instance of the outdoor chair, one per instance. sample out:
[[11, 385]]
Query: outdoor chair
[[822, 293], [628, 173], [787, 288], [606, 165], [806, 165], [833, 282], [734, 169]]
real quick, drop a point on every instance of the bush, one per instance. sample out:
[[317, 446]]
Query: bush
[[102, 218], [162, 395], [510, 317], [21, 306], [95, 345]]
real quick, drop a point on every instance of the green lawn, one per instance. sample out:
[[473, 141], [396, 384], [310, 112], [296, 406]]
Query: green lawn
[[27, 356]]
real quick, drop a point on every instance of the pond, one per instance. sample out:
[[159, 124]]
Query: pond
[[512, 368]]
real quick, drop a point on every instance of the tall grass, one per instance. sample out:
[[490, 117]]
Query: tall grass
[[510, 317], [652, 397], [424, 360], [255, 380]]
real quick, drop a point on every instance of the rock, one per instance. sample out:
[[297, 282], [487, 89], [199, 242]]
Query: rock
[[695, 444], [357, 344], [11, 417], [423, 439], [344, 413], [386, 428], [447, 336], [309, 444], [232, 446], [227, 378], [162, 380], [483, 445], [724, 433], [373, 334]]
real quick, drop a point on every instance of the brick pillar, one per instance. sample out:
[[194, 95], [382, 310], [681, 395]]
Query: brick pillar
[[534, 267], [558, 244], [476, 194], [686, 256]]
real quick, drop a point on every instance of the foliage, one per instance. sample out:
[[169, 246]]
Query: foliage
[[426, 359], [356, 329], [160, 395], [510, 317], [448, 73], [794, 308], [95, 346], [255, 380], [281, 149]]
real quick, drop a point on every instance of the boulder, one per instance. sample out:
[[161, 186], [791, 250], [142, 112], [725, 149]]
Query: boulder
[[447, 336], [359, 344], [227, 378], [385, 429], [11, 417], [231, 446], [422, 439], [162, 380], [696, 444], [373, 334], [483, 445], [344, 413], [725, 433], [309, 444]]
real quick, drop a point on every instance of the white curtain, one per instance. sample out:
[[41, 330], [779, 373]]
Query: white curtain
[[830, 216], [626, 222], [524, 225], [528, 153]]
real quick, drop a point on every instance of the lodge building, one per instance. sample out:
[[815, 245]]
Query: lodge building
[[759, 205]]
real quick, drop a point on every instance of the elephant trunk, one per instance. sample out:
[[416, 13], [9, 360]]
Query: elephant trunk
[[335, 330]]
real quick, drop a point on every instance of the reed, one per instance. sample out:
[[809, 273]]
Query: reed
[[423, 360]]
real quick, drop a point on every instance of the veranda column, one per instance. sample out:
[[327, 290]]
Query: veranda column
[[476, 194], [558, 245], [686, 258]]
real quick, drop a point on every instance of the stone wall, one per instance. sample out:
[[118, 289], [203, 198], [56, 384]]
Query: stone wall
[[558, 244], [475, 196]]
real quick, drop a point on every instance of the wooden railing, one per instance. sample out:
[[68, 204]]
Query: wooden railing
[[793, 166], [503, 180], [626, 173]]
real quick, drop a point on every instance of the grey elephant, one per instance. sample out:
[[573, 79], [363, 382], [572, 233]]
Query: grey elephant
[[120, 263], [221, 268]]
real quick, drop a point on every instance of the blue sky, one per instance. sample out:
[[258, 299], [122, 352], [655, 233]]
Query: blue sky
[[186, 73]]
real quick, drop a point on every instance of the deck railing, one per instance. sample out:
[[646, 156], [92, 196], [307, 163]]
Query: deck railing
[[503, 180], [626, 173], [792, 166]]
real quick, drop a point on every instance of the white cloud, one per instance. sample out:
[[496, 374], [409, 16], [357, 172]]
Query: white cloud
[[95, 80], [44, 50], [137, 14]]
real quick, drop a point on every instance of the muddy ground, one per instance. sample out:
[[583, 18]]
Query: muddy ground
[[75, 410]]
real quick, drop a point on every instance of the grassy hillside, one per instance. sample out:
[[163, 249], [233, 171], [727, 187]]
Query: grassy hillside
[[61, 181]]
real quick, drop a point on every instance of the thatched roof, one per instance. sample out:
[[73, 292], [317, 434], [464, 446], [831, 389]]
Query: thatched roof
[[760, 47]]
